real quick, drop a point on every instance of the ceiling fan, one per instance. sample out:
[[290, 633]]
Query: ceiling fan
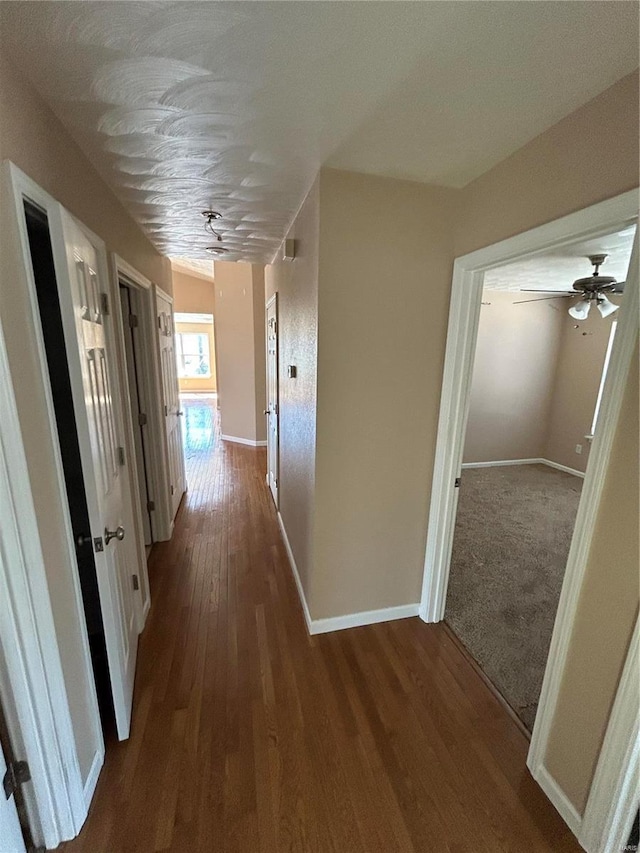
[[593, 288]]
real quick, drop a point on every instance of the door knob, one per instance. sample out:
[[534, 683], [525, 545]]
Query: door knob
[[267, 411], [83, 540], [118, 534], [180, 412]]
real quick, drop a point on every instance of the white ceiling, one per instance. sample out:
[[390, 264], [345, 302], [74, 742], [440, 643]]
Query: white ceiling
[[558, 269], [235, 105], [194, 266]]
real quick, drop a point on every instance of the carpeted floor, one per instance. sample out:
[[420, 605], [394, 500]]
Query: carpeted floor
[[512, 536]]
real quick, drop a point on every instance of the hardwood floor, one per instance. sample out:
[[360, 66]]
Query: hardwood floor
[[249, 736]]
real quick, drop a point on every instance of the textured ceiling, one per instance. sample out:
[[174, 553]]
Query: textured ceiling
[[557, 270], [234, 106]]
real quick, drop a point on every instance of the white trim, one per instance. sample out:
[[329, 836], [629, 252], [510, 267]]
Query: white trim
[[468, 273], [236, 440], [296, 576], [92, 778], [615, 790], [364, 617], [559, 799], [349, 620], [539, 461], [66, 793], [163, 294]]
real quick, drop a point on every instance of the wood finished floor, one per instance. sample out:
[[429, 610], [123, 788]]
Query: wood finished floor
[[249, 736]]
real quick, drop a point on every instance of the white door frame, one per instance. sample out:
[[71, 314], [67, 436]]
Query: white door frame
[[275, 490], [466, 295], [615, 791], [37, 709]]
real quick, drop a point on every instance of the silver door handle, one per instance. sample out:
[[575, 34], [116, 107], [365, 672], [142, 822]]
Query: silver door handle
[[180, 413], [267, 411], [118, 534]]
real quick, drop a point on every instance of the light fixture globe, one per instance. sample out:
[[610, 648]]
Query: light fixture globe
[[606, 307], [580, 311]]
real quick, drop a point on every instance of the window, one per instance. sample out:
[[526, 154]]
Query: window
[[192, 350]]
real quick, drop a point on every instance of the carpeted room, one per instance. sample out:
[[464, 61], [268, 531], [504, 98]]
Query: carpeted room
[[536, 381]]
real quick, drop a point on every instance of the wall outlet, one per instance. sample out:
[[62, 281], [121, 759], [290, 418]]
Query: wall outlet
[[578, 448]]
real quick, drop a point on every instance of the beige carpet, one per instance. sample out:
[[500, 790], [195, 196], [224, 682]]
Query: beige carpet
[[512, 536]]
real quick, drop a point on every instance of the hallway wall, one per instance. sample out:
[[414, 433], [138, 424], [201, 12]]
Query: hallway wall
[[33, 138], [240, 357]]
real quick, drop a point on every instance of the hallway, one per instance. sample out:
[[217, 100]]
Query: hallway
[[248, 735]]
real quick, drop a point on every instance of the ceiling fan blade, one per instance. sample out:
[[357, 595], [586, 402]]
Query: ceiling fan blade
[[616, 287], [534, 290], [546, 298]]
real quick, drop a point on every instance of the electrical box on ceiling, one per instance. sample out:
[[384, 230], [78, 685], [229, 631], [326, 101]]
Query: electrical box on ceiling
[[288, 250]]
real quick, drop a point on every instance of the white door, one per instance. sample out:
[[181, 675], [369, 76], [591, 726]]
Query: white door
[[88, 340], [272, 396], [171, 399], [11, 840]]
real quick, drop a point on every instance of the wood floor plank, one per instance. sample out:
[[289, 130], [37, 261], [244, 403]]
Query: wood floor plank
[[249, 736]]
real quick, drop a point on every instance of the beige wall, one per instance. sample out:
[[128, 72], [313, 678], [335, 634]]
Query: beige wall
[[385, 271], [239, 320], [196, 295], [296, 284], [513, 374], [204, 383], [605, 618], [32, 137], [575, 389]]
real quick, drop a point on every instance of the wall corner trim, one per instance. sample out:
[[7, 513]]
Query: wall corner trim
[[558, 798], [249, 442], [349, 620], [296, 576]]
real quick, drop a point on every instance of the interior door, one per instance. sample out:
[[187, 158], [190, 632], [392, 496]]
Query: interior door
[[10, 833], [272, 396], [171, 399], [88, 341]]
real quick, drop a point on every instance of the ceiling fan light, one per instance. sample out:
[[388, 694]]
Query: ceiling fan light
[[606, 307], [581, 310]]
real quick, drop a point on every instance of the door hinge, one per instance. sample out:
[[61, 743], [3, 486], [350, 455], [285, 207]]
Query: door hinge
[[142, 419], [151, 505], [136, 583], [121, 458], [17, 774], [166, 411], [456, 482], [172, 490], [104, 304], [133, 321]]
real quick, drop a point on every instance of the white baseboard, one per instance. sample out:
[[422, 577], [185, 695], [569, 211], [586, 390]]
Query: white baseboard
[[559, 799], [364, 617], [246, 441], [92, 778], [350, 620], [538, 461], [296, 576]]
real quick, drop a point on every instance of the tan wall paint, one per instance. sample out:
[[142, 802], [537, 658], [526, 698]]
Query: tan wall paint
[[239, 331], [205, 383], [605, 618], [589, 156], [33, 138], [192, 294], [296, 283], [513, 374], [575, 388], [195, 295], [384, 278]]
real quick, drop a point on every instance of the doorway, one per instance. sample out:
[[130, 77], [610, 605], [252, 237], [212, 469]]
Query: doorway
[[536, 384], [40, 247], [138, 384]]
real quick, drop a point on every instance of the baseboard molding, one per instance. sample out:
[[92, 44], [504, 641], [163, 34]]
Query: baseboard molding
[[92, 778], [538, 461], [364, 617], [296, 576], [249, 442], [559, 799], [350, 620]]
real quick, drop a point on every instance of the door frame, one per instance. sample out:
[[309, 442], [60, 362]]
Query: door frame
[[466, 295], [273, 300], [38, 713]]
